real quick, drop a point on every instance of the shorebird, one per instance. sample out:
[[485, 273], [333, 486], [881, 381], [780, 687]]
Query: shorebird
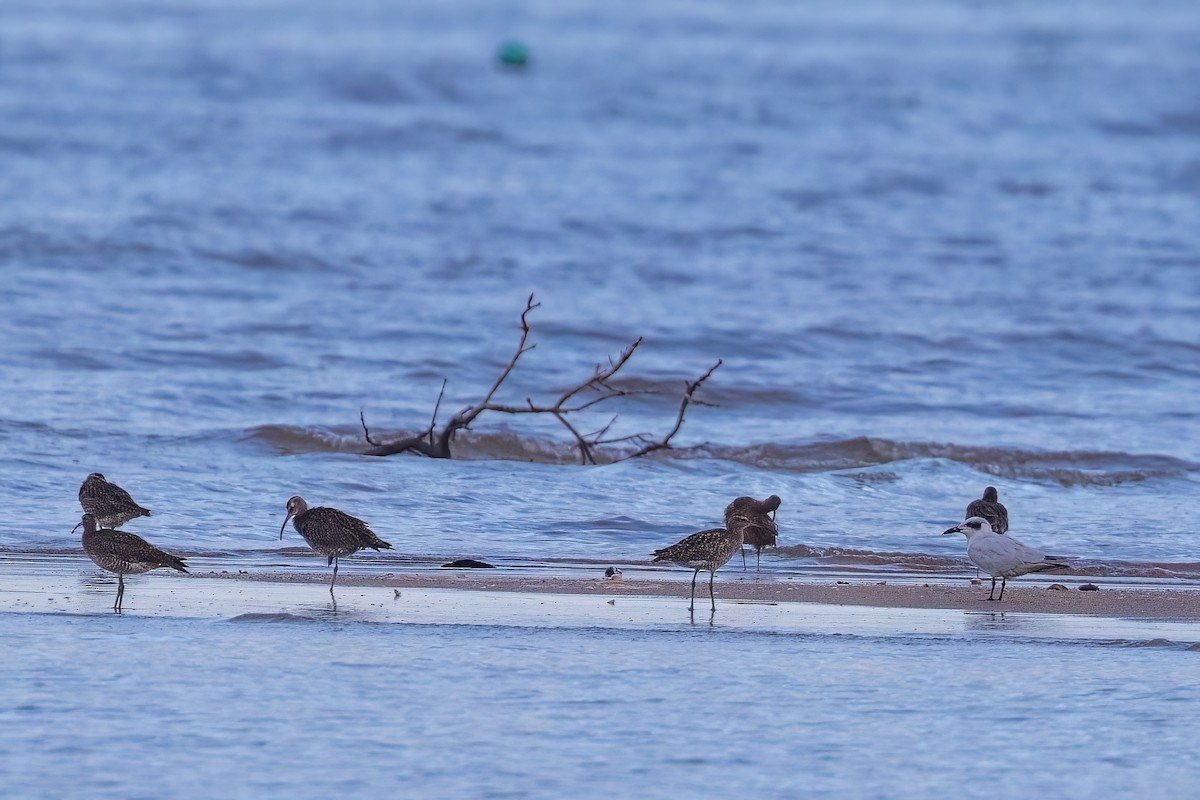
[[706, 550], [123, 553], [108, 503], [755, 519], [330, 532], [1000, 556], [990, 509]]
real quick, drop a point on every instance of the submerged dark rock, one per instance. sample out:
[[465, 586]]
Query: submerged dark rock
[[1089, 587], [468, 563]]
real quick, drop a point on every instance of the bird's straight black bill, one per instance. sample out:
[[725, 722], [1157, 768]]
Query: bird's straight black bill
[[956, 529]]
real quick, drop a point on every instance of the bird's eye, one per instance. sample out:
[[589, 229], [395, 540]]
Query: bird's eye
[[974, 525]]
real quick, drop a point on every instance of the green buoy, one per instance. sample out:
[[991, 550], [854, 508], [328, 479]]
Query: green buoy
[[513, 54]]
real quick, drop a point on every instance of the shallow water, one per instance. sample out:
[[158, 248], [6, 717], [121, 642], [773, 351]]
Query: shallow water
[[936, 249], [820, 699]]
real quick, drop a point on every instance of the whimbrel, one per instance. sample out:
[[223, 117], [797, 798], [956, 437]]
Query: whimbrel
[[706, 550], [1000, 556], [330, 532], [108, 503], [756, 521], [990, 509], [123, 553]]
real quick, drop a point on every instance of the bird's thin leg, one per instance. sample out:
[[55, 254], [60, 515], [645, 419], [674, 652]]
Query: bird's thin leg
[[332, 582], [120, 593], [743, 558], [711, 577], [692, 604], [758, 555], [1003, 583], [994, 589]]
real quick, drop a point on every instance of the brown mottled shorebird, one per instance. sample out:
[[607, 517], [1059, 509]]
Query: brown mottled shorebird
[[123, 553], [990, 509], [756, 521], [108, 503], [330, 532], [706, 550]]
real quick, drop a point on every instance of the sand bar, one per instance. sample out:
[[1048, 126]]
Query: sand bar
[[650, 599]]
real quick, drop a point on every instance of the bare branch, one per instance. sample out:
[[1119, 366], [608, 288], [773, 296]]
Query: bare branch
[[633, 437], [436, 406], [366, 433], [585, 451], [688, 398], [481, 406], [464, 418], [418, 444], [601, 375], [436, 444], [594, 436]]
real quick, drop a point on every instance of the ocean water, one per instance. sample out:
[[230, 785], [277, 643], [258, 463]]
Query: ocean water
[[935, 249], [936, 246], [454, 696]]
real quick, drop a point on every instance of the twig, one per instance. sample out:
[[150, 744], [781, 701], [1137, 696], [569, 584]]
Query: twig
[[366, 433], [595, 435], [436, 406], [585, 451], [474, 411], [688, 399]]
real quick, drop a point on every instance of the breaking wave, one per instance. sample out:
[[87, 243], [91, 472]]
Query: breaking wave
[[1066, 468], [1082, 468]]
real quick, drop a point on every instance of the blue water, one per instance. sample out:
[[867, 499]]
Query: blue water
[[312, 707], [937, 246]]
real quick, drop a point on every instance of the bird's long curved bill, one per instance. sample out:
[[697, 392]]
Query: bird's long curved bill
[[77, 525], [955, 529], [284, 525]]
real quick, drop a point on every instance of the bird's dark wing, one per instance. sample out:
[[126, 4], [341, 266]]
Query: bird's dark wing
[[351, 531]]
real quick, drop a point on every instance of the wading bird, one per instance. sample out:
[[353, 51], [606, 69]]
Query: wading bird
[[707, 550], [108, 503], [755, 520], [330, 532], [123, 553], [1000, 556], [991, 509]]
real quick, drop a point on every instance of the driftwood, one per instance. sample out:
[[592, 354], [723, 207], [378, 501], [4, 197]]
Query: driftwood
[[586, 394]]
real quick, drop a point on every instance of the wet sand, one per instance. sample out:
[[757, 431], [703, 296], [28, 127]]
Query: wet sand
[[25, 580], [1027, 597]]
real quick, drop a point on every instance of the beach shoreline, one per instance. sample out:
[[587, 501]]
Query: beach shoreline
[[1171, 604], [1167, 601]]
